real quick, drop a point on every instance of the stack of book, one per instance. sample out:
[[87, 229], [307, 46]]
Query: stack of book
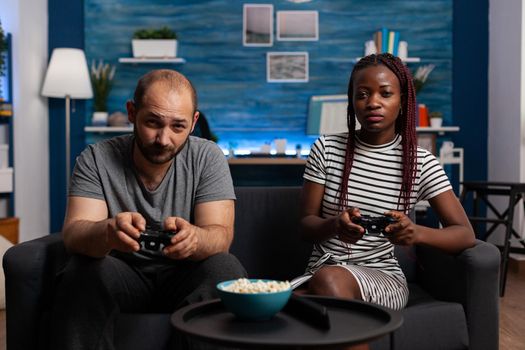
[[6, 109], [387, 41]]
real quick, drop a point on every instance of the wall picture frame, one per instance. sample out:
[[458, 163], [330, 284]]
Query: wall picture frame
[[297, 25], [257, 29], [287, 67], [427, 141]]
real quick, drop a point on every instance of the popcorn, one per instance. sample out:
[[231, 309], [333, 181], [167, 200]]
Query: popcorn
[[245, 286]]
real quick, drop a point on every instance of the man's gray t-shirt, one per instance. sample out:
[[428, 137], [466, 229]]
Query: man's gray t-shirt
[[198, 174]]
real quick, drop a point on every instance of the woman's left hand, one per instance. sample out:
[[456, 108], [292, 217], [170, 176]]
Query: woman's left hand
[[403, 232]]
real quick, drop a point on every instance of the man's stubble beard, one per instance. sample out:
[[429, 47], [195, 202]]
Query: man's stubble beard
[[155, 154]]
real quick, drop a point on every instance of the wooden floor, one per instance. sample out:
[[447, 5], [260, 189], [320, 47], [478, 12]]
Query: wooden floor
[[512, 315]]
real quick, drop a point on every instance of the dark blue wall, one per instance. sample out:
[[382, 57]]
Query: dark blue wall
[[467, 67], [470, 84], [231, 78], [66, 29]]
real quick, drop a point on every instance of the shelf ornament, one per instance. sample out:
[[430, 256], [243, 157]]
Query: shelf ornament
[[102, 75], [420, 77], [154, 43]]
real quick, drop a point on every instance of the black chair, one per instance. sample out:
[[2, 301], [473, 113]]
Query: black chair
[[479, 192]]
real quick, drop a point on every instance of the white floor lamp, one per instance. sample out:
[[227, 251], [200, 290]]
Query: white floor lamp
[[67, 77]]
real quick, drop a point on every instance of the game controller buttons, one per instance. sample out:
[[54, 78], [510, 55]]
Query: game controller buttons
[[154, 240], [374, 225]]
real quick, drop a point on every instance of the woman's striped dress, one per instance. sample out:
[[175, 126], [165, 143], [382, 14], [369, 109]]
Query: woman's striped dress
[[373, 187]]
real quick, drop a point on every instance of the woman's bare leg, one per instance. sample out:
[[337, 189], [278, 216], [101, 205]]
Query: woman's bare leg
[[338, 282]]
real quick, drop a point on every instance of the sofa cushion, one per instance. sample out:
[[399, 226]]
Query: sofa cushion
[[437, 324], [428, 324]]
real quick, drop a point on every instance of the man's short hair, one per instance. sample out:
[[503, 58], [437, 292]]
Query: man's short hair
[[175, 80]]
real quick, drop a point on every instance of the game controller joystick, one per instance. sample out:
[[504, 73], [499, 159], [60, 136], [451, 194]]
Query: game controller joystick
[[374, 225], [155, 240]]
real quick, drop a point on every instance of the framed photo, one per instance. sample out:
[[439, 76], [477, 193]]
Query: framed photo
[[297, 25], [287, 67], [427, 141], [257, 25]]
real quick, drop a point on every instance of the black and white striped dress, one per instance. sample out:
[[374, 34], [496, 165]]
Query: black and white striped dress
[[373, 187]]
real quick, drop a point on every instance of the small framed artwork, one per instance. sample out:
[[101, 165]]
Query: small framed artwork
[[287, 67], [257, 25], [427, 141], [297, 25]]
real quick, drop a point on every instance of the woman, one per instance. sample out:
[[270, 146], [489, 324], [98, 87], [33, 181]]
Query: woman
[[377, 170]]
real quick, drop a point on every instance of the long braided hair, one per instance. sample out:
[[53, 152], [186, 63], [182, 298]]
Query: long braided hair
[[405, 126]]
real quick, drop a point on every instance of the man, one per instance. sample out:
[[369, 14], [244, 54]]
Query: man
[[158, 177]]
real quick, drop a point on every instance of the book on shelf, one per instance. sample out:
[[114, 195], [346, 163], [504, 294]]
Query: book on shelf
[[396, 43], [387, 41], [384, 43]]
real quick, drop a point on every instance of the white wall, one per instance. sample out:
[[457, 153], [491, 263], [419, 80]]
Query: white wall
[[27, 21], [506, 131]]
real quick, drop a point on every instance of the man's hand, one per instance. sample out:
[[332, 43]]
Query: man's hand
[[123, 231], [347, 231], [403, 232], [185, 243]]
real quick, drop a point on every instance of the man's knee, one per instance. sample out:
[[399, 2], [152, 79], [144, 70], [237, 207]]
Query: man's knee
[[84, 273], [222, 266]]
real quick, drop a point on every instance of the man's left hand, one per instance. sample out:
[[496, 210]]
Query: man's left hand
[[185, 243]]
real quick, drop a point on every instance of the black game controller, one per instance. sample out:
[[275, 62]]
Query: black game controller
[[155, 240], [374, 225]]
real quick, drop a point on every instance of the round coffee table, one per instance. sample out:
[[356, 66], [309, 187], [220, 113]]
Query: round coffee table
[[352, 322]]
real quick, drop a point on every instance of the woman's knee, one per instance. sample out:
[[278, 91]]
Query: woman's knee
[[334, 281]]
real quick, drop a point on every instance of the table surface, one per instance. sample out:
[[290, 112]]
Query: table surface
[[266, 161], [352, 322], [493, 184]]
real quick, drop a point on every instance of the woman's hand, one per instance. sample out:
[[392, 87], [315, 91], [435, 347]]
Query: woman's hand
[[403, 232], [345, 229]]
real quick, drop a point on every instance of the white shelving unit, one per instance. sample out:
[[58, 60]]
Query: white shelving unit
[[144, 60], [104, 129], [108, 129], [406, 60], [441, 130]]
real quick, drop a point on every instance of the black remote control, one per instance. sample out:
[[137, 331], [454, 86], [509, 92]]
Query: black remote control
[[308, 311]]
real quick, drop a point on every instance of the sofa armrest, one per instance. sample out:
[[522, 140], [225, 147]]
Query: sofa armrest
[[470, 278], [30, 270]]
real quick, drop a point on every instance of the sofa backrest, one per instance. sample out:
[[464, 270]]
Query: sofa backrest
[[267, 240]]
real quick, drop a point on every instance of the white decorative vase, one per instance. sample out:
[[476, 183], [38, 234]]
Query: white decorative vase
[[100, 118], [154, 48], [436, 122]]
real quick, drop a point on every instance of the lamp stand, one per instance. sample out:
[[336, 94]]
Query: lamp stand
[[68, 151]]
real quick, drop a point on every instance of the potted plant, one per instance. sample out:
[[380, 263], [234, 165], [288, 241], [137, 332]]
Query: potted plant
[[3, 50], [154, 43], [102, 75], [436, 119]]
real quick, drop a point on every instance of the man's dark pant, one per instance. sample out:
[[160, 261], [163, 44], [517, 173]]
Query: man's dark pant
[[92, 292]]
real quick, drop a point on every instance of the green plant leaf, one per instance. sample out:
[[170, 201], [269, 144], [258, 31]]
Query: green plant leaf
[[158, 33]]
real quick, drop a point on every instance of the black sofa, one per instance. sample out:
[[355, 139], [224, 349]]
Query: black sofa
[[453, 299]]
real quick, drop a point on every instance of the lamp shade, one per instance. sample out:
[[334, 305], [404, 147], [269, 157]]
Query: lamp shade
[[67, 75]]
